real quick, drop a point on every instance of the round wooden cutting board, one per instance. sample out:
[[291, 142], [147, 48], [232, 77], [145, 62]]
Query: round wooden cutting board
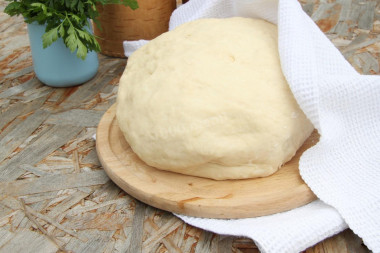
[[195, 196]]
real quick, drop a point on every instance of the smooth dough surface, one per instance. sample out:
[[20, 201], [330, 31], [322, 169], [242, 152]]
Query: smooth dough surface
[[209, 99]]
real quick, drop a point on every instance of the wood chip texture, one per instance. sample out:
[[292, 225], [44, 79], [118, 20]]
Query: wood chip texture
[[54, 195]]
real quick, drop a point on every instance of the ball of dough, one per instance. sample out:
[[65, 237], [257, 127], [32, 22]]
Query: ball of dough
[[209, 99]]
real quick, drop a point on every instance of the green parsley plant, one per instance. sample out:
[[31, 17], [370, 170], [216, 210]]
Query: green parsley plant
[[66, 19]]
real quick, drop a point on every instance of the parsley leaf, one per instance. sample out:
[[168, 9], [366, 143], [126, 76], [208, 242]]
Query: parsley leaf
[[49, 37]]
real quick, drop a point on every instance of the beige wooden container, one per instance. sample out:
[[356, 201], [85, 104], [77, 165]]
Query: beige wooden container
[[120, 23]]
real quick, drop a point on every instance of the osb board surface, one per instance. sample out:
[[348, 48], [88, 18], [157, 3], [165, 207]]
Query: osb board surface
[[54, 194]]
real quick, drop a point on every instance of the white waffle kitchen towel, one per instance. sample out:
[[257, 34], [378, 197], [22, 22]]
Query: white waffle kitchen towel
[[343, 169]]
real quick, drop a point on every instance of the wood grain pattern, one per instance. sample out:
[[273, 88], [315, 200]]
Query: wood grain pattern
[[195, 196], [99, 212]]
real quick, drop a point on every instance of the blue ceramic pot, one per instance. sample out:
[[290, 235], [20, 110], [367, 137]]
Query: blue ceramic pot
[[55, 65]]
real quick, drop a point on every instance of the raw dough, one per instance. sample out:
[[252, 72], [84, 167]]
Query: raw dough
[[209, 99]]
